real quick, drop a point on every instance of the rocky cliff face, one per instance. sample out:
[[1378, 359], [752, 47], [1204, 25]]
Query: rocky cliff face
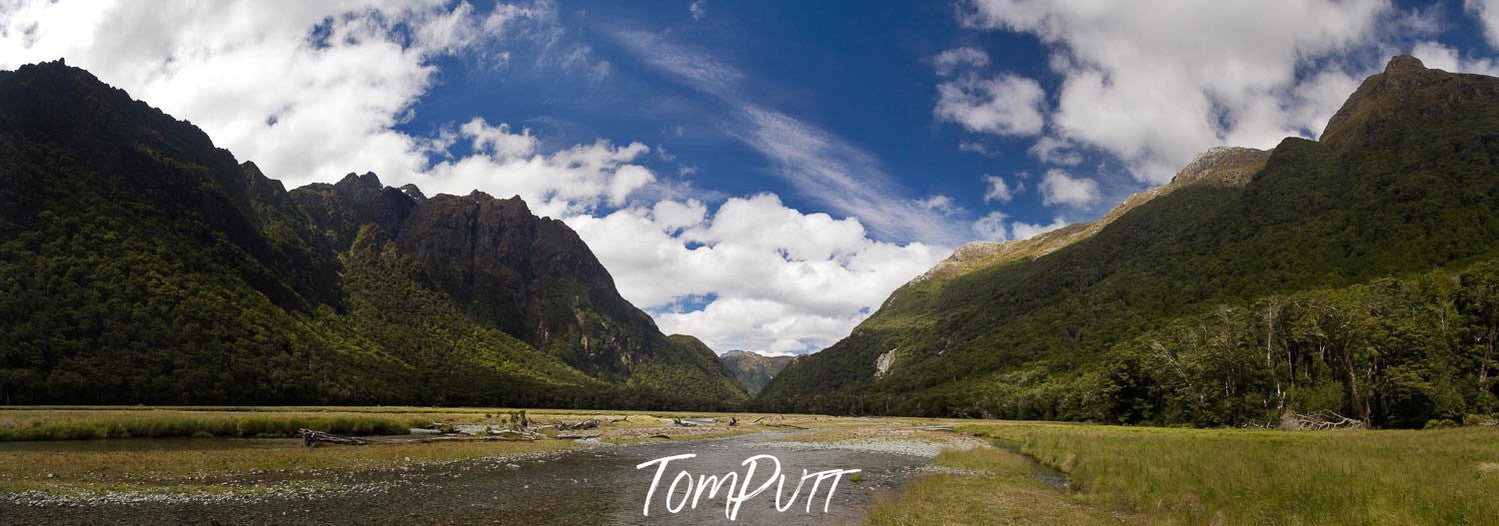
[[532, 277], [528, 276]]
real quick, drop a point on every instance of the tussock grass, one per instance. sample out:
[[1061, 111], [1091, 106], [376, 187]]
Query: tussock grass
[[85, 424], [1197, 476], [164, 469]]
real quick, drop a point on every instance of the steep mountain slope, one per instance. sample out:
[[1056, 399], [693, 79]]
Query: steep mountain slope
[[140, 264], [1404, 184], [754, 370], [532, 278], [1220, 166]]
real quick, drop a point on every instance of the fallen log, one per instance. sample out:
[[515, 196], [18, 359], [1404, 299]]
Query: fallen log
[[661, 435], [312, 438], [577, 425], [1319, 420], [694, 422]]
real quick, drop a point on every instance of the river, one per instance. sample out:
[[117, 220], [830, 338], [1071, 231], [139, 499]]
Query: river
[[592, 486]]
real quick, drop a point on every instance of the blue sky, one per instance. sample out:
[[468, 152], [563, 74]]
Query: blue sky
[[862, 73], [758, 174], [866, 78]]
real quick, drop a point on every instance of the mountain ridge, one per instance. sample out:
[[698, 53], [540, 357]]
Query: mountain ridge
[[139, 263], [1136, 322]]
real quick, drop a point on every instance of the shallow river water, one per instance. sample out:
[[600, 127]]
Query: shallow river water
[[596, 486]]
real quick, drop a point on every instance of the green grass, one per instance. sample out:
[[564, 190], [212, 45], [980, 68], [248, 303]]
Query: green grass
[[997, 488], [1194, 476], [83, 424]]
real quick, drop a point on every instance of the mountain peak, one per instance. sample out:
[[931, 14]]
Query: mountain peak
[[368, 180], [1404, 64], [1406, 92], [1228, 165], [413, 192]]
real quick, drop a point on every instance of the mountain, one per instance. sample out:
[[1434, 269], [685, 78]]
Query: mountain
[[1352, 274], [754, 370], [139, 263]]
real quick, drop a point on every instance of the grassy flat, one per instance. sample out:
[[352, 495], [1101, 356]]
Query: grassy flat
[[1192, 476], [988, 486]]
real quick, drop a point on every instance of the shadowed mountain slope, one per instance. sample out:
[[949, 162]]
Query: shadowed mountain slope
[[139, 263]]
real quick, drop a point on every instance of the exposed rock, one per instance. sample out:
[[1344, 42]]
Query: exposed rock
[[883, 363], [531, 277], [413, 192]]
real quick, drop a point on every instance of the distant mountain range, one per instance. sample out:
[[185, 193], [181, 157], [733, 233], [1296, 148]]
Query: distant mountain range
[[754, 370], [141, 264], [1354, 274]]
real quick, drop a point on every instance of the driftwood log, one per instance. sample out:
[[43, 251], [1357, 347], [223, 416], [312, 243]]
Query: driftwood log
[[661, 435], [1319, 420], [575, 425], [312, 438], [694, 422]]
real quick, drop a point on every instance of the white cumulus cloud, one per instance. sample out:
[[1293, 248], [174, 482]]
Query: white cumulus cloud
[[996, 189], [1006, 104], [1059, 188], [781, 280], [1487, 12], [1154, 82], [1019, 230], [1435, 55], [952, 60]]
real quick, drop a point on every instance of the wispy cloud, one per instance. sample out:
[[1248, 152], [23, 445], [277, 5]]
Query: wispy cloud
[[818, 163]]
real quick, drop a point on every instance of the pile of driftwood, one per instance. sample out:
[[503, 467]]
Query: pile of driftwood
[[515, 427], [1318, 420], [575, 425], [311, 438]]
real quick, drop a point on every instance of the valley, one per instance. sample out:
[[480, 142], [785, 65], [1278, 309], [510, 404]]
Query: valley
[[913, 470]]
